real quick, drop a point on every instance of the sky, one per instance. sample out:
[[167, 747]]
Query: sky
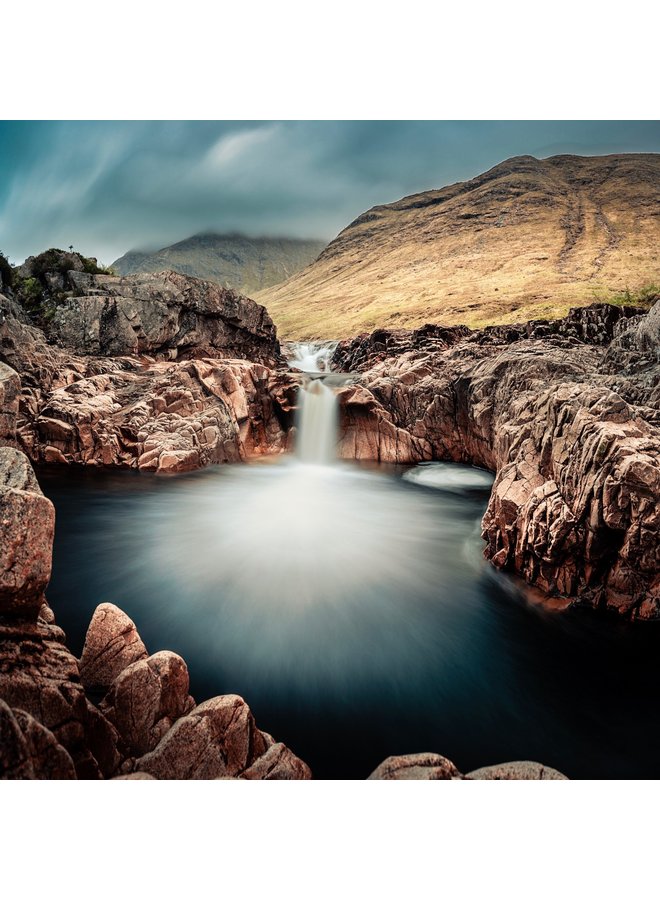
[[108, 187]]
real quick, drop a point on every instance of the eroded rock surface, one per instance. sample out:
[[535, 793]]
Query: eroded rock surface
[[161, 314], [111, 645], [132, 412], [433, 767], [566, 413]]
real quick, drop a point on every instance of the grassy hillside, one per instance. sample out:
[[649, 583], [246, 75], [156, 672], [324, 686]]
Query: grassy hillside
[[527, 239], [233, 260]]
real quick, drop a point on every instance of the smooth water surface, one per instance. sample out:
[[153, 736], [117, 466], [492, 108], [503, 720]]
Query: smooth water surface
[[354, 612]]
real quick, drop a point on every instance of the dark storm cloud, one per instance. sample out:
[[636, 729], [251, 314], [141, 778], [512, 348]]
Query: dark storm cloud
[[107, 187]]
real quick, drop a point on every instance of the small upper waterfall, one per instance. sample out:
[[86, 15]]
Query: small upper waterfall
[[317, 417], [311, 357], [317, 423]]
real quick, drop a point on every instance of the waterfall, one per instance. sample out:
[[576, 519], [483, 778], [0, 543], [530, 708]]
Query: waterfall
[[312, 357], [317, 423]]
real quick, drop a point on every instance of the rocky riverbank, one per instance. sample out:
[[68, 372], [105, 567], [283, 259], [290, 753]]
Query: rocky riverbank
[[566, 413]]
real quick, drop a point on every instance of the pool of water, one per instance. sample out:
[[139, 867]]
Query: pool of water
[[353, 610]]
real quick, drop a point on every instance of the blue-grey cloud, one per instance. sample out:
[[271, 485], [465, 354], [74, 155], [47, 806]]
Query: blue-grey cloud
[[106, 187]]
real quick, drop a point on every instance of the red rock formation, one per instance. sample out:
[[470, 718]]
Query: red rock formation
[[125, 412], [568, 419], [432, 767]]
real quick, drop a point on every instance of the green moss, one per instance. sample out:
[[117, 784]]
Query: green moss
[[644, 296]]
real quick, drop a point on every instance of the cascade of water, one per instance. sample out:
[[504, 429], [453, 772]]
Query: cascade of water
[[312, 357], [317, 423]]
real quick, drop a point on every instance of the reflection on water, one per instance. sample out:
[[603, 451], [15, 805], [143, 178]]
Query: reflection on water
[[355, 613]]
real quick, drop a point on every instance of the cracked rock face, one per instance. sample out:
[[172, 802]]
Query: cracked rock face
[[133, 413], [111, 645], [566, 413], [166, 313]]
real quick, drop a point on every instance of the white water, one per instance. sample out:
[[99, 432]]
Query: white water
[[312, 357], [317, 423]]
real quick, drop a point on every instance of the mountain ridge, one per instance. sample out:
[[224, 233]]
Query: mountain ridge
[[231, 259], [526, 239]]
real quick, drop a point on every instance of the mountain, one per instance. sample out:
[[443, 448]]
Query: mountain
[[527, 239], [233, 260]]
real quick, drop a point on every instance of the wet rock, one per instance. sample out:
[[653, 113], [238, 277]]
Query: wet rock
[[112, 643], [518, 771], [416, 767], [147, 698]]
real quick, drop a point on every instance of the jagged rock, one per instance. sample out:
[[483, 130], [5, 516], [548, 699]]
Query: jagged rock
[[278, 763], [147, 698], [27, 519], [517, 771], [166, 313], [112, 643], [416, 767], [156, 416], [218, 738], [569, 423]]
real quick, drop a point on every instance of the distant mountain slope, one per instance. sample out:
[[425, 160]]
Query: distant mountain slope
[[246, 264], [527, 239]]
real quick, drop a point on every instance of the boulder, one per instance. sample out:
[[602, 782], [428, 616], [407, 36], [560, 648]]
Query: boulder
[[146, 698], [218, 738], [516, 771], [112, 643], [415, 767], [432, 767]]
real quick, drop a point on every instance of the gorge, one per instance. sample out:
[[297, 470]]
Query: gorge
[[349, 605]]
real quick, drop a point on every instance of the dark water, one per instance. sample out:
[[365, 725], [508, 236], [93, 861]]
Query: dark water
[[354, 613]]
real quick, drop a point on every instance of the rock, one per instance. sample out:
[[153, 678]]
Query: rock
[[432, 767], [567, 414], [520, 771], [112, 643], [163, 314], [156, 416], [39, 676], [416, 767], [10, 390], [48, 758], [134, 776], [15, 760], [104, 741], [147, 698], [218, 738], [278, 763], [27, 519]]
